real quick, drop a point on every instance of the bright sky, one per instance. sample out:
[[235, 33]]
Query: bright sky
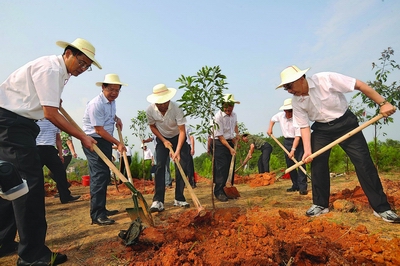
[[151, 42]]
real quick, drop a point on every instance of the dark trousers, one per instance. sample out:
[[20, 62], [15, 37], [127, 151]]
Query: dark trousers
[[99, 178], [357, 149], [162, 154], [190, 170], [27, 213], [222, 162], [263, 161], [123, 169], [299, 179], [49, 157], [67, 160]]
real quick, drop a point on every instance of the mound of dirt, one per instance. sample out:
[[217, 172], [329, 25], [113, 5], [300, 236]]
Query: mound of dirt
[[265, 226]]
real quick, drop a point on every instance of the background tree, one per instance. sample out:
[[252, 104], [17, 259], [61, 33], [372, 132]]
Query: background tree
[[141, 130], [391, 92], [202, 98]]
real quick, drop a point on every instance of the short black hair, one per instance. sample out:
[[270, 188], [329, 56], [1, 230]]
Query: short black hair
[[106, 85], [74, 50]]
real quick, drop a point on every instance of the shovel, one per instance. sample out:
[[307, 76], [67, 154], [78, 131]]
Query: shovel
[[339, 140], [287, 152], [231, 191], [137, 197], [200, 209], [135, 212]]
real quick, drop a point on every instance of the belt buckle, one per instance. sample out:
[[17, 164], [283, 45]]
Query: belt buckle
[[331, 123]]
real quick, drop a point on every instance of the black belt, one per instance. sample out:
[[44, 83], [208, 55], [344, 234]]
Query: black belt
[[337, 120]]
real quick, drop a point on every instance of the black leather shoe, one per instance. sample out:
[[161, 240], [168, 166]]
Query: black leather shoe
[[291, 190], [70, 199], [222, 197], [8, 249], [103, 221], [52, 259], [111, 213], [303, 192]]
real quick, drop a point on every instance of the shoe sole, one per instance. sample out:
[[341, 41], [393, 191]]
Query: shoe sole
[[324, 211], [386, 220], [182, 206], [155, 210]]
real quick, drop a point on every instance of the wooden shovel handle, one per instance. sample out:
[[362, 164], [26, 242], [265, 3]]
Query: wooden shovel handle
[[230, 174], [127, 166], [339, 140], [95, 148], [196, 201], [287, 152]]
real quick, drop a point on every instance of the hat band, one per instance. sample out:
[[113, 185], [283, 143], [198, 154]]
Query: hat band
[[158, 92], [295, 69], [88, 51]]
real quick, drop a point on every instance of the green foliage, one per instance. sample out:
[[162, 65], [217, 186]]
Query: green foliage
[[339, 162], [202, 98], [202, 165], [139, 125], [391, 92], [136, 165], [140, 130], [387, 152]]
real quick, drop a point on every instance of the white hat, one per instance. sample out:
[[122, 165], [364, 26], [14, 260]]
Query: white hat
[[161, 94], [143, 145], [84, 46], [111, 79], [287, 105], [291, 74], [229, 98]]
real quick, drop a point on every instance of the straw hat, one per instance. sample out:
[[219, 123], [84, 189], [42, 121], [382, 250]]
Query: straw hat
[[111, 79], [287, 105], [229, 98], [161, 94], [291, 74], [84, 46]]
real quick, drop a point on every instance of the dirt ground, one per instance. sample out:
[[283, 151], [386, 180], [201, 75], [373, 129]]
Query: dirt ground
[[265, 226]]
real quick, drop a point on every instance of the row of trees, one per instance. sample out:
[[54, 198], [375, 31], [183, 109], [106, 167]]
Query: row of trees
[[339, 162]]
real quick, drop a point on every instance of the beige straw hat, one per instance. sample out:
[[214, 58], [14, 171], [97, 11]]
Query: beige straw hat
[[291, 74], [287, 105], [229, 98], [111, 79], [84, 46], [161, 94]]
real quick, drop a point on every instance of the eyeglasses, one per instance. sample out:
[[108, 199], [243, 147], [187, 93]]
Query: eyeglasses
[[113, 90], [84, 65], [288, 86]]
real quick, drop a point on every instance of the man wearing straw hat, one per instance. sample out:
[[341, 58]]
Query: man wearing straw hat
[[167, 122], [98, 122], [292, 143], [30, 93], [320, 98], [224, 135]]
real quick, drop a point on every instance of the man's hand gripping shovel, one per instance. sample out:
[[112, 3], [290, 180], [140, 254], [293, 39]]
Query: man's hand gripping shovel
[[141, 208]]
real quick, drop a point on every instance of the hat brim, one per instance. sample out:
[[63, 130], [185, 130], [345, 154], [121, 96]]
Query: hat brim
[[65, 44], [292, 78], [154, 98], [100, 83], [286, 107]]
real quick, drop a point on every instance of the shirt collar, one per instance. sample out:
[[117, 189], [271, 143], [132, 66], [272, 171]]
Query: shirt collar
[[104, 99], [66, 75]]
